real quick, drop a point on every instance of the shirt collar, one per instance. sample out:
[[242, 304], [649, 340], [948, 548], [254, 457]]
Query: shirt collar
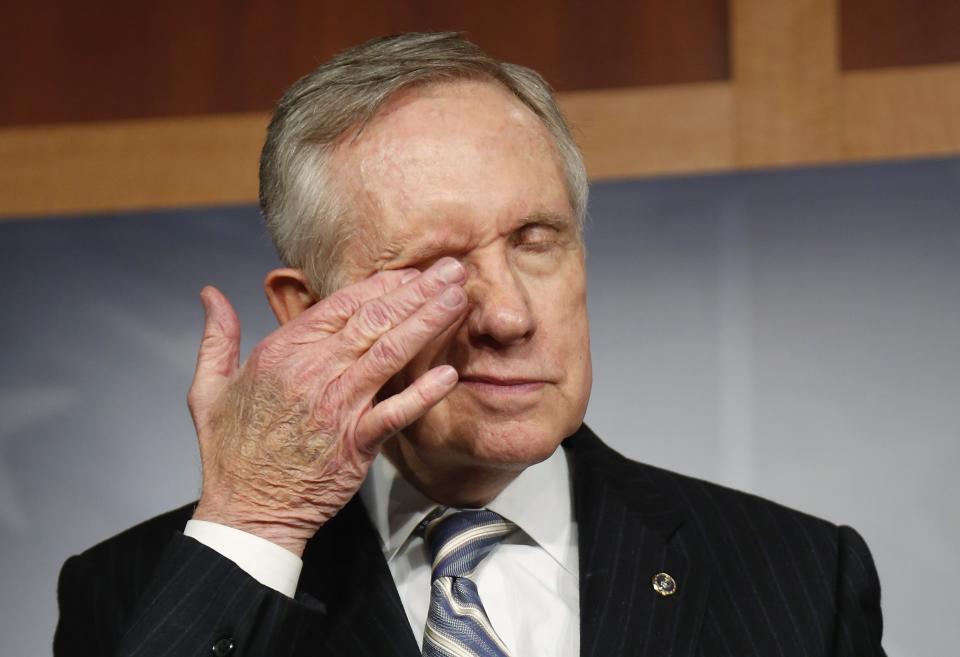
[[539, 501]]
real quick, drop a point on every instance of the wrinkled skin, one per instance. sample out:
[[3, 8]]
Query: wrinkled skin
[[456, 169], [467, 170], [287, 439]]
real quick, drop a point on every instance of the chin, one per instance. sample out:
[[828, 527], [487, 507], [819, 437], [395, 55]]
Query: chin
[[512, 432], [507, 443], [465, 459]]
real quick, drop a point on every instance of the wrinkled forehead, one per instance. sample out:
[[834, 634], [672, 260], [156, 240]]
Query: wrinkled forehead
[[446, 152], [427, 131]]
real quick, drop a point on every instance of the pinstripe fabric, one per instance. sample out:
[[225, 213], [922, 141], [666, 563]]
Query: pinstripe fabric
[[457, 624], [152, 591], [753, 578]]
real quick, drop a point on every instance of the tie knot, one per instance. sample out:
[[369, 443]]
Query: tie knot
[[460, 541]]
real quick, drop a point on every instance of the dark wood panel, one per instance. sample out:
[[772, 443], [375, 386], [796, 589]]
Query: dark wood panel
[[74, 61], [889, 33]]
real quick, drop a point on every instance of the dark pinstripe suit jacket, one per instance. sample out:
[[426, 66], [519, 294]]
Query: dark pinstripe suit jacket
[[754, 578]]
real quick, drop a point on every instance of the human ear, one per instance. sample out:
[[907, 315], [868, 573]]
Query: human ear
[[287, 293]]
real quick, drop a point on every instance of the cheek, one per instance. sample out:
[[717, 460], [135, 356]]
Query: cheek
[[561, 303], [563, 313]]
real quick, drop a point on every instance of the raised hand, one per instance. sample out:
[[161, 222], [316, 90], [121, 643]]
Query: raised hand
[[287, 438]]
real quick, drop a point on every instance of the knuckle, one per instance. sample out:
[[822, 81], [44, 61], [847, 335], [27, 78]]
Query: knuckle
[[376, 316], [331, 398], [339, 305], [424, 400], [394, 419], [387, 353], [430, 321], [436, 318], [211, 342], [422, 289]]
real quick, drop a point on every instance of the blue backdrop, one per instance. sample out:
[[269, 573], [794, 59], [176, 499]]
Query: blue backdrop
[[793, 333]]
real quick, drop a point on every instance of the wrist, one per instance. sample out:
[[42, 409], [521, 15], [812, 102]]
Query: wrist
[[289, 535]]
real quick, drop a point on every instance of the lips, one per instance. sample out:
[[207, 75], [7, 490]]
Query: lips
[[503, 393], [499, 381]]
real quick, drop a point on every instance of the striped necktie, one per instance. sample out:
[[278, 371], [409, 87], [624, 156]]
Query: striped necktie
[[457, 624]]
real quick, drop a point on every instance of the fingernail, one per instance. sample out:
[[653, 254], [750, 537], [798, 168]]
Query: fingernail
[[448, 375], [450, 270], [451, 297]]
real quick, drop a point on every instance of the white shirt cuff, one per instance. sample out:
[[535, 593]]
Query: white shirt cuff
[[266, 562]]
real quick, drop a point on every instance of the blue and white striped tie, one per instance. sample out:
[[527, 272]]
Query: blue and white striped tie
[[457, 624]]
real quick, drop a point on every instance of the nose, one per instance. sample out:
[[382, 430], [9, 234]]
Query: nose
[[500, 313]]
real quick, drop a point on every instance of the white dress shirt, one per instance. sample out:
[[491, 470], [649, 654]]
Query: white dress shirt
[[529, 584]]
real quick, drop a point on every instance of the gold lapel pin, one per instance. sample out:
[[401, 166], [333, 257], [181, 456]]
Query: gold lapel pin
[[664, 584]]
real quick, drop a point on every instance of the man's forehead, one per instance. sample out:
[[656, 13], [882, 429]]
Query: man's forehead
[[444, 168], [414, 124]]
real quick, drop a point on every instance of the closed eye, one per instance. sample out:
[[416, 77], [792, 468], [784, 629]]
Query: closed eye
[[536, 237]]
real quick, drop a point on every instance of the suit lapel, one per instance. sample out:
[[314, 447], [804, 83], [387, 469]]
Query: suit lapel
[[345, 571], [628, 532]]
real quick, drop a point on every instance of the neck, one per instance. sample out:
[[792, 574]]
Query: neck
[[450, 481]]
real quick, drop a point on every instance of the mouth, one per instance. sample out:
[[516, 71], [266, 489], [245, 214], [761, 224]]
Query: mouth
[[501, 386]]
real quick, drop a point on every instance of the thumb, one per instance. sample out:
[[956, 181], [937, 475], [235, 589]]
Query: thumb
[[219, 354]]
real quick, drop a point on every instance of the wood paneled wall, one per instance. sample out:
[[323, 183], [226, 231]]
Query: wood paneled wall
[[688, 87], [886, 33], [81, 61]]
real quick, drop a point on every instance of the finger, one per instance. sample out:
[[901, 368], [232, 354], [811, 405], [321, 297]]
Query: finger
[[374, 317], [219, 354], [377, 316], [332, 313], [394, 349], [396, 412]]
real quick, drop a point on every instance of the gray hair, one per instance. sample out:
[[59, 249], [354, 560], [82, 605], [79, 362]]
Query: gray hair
[[301, 208]]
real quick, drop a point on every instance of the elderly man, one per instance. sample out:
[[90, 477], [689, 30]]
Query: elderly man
[[382, 476]]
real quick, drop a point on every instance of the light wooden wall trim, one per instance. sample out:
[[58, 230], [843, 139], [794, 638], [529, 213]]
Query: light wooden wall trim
[[901, 112], [786, 82], [678, 129], [788, 104], [129, 165]]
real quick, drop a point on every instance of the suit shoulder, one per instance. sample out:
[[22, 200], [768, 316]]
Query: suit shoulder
[[703, 499], [730, 524], [727, 516], [717, 509]]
